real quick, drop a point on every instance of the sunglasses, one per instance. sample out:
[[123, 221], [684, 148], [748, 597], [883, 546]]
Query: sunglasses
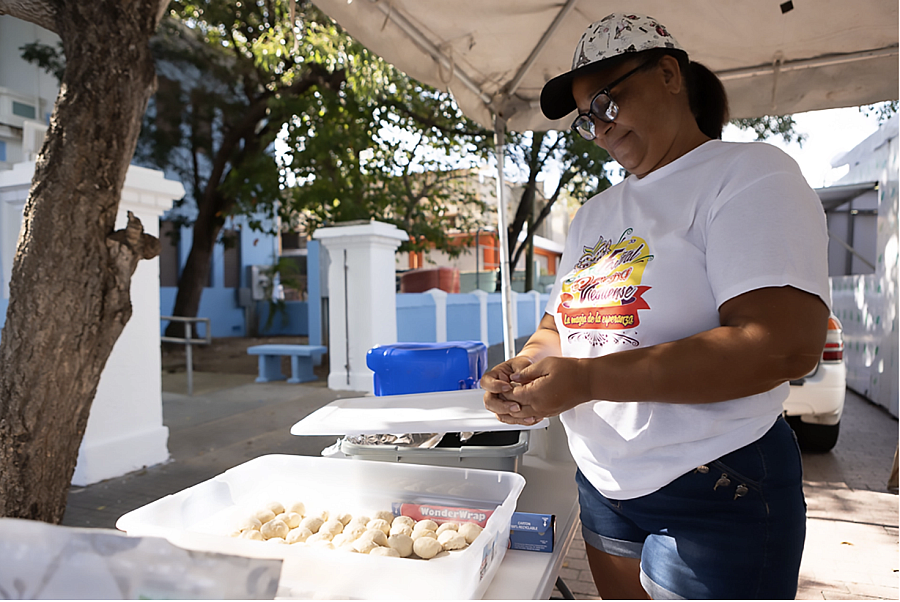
[[603, 107]]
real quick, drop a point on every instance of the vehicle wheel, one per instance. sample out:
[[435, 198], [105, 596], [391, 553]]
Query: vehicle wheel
[[814, 438]]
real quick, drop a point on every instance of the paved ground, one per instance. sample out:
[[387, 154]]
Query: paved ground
[[852, 542]]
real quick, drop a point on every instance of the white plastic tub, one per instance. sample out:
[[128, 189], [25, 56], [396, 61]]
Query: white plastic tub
[[201, 517]]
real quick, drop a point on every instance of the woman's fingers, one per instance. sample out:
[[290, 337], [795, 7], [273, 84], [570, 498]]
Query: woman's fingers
[[499, 405]]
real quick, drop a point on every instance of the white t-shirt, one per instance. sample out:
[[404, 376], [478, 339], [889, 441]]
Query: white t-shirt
[[649, 261]]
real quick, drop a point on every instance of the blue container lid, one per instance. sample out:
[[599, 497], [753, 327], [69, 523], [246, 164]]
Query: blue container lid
[[403, 368]]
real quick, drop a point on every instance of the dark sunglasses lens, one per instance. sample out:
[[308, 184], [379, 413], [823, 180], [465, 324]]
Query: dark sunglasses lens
[[584, 125], [612, 111], [604, 108]]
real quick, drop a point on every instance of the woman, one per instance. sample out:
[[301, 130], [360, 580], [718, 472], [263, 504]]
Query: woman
[[689, 295]]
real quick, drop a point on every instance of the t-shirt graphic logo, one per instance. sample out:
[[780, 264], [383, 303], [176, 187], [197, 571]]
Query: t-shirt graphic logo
[[603, 291]]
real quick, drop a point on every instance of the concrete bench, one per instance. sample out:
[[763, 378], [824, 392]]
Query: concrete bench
[[302, 359]]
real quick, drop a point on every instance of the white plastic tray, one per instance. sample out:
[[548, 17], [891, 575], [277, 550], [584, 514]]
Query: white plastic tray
[[441, 412], [200, 517]]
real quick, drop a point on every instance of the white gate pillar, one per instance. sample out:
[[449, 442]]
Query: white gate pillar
[[125, 428], [362, 303]]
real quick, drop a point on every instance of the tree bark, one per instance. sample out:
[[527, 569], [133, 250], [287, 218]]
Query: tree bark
[[71, 278]]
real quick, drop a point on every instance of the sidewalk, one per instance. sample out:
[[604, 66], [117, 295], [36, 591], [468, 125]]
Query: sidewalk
[[852, 540]]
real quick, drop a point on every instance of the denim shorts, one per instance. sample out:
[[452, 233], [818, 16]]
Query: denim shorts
[[731, 529]]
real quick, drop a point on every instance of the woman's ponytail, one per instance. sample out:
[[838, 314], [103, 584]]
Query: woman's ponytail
[[709, 102], [706, 94]]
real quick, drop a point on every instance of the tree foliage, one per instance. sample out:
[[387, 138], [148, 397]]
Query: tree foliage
[[771, 126], [345, 151], [398, 151], [883, 110], [580, 166]]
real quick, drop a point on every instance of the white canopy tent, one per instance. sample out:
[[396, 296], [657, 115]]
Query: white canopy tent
[[774, 57]]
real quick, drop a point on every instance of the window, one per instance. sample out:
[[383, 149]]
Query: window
[[2, 150], [852, 215], [231, 259], [23, 110], [168, 254]]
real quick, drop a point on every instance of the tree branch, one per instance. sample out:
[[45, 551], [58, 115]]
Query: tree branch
[[39, 12]]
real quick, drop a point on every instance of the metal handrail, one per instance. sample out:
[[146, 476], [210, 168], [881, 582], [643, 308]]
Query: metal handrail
[[188, 341]]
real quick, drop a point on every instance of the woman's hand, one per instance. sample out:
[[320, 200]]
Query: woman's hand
[[551, 386], [497, 383], [522, 392]]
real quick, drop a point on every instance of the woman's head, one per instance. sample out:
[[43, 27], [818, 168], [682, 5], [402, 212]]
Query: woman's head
[[643, 51]]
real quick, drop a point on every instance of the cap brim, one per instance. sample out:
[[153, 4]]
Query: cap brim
[[556, 96]]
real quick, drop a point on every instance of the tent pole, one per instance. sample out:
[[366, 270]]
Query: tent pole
[[509, 343]]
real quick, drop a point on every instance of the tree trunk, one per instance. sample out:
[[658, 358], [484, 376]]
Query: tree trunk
[[71, 278], [195, 274], [529, 255]]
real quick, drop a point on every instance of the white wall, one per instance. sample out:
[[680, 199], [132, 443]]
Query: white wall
[[867, 304]]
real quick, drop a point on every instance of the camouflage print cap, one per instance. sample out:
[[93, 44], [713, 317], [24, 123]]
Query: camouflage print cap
[[611, 36]]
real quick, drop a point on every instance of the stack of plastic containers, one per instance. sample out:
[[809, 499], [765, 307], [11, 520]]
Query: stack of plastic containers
[[409, 368]]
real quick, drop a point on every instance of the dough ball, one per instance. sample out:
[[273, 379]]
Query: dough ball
[[249, 523], [291, 519], [316, 537], [400, 530], [379, 551], [298, 535], [339, 540], [427, 547], [426, 525], [312, 523], [364, 546], [298, 507], [377, 536], [276, 507], [344, 517], [275, 528], [324, 544], [385, 515], [253, 534], [452, 540], [470, 531], [277, 540], [426, 533], [323, 514], [447, 527], [404, 520], [332, 526], [264, 515], [380, 524], [402, 543], [347, 547], [353, 533], [362, 519]]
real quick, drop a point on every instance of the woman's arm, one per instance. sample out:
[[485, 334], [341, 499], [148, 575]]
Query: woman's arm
[[767, 336]]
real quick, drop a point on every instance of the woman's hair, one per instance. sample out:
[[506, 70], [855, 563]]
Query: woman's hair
[[706, 94]]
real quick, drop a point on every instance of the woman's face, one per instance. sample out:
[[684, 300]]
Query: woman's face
[[650, 129]]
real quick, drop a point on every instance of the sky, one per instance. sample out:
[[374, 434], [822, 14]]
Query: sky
[[829, 133]]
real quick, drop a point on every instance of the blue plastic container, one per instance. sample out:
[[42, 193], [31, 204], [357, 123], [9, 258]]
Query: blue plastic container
[[404, 368]]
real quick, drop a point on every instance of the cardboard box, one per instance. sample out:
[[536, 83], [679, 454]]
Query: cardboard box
[[531, 532]]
